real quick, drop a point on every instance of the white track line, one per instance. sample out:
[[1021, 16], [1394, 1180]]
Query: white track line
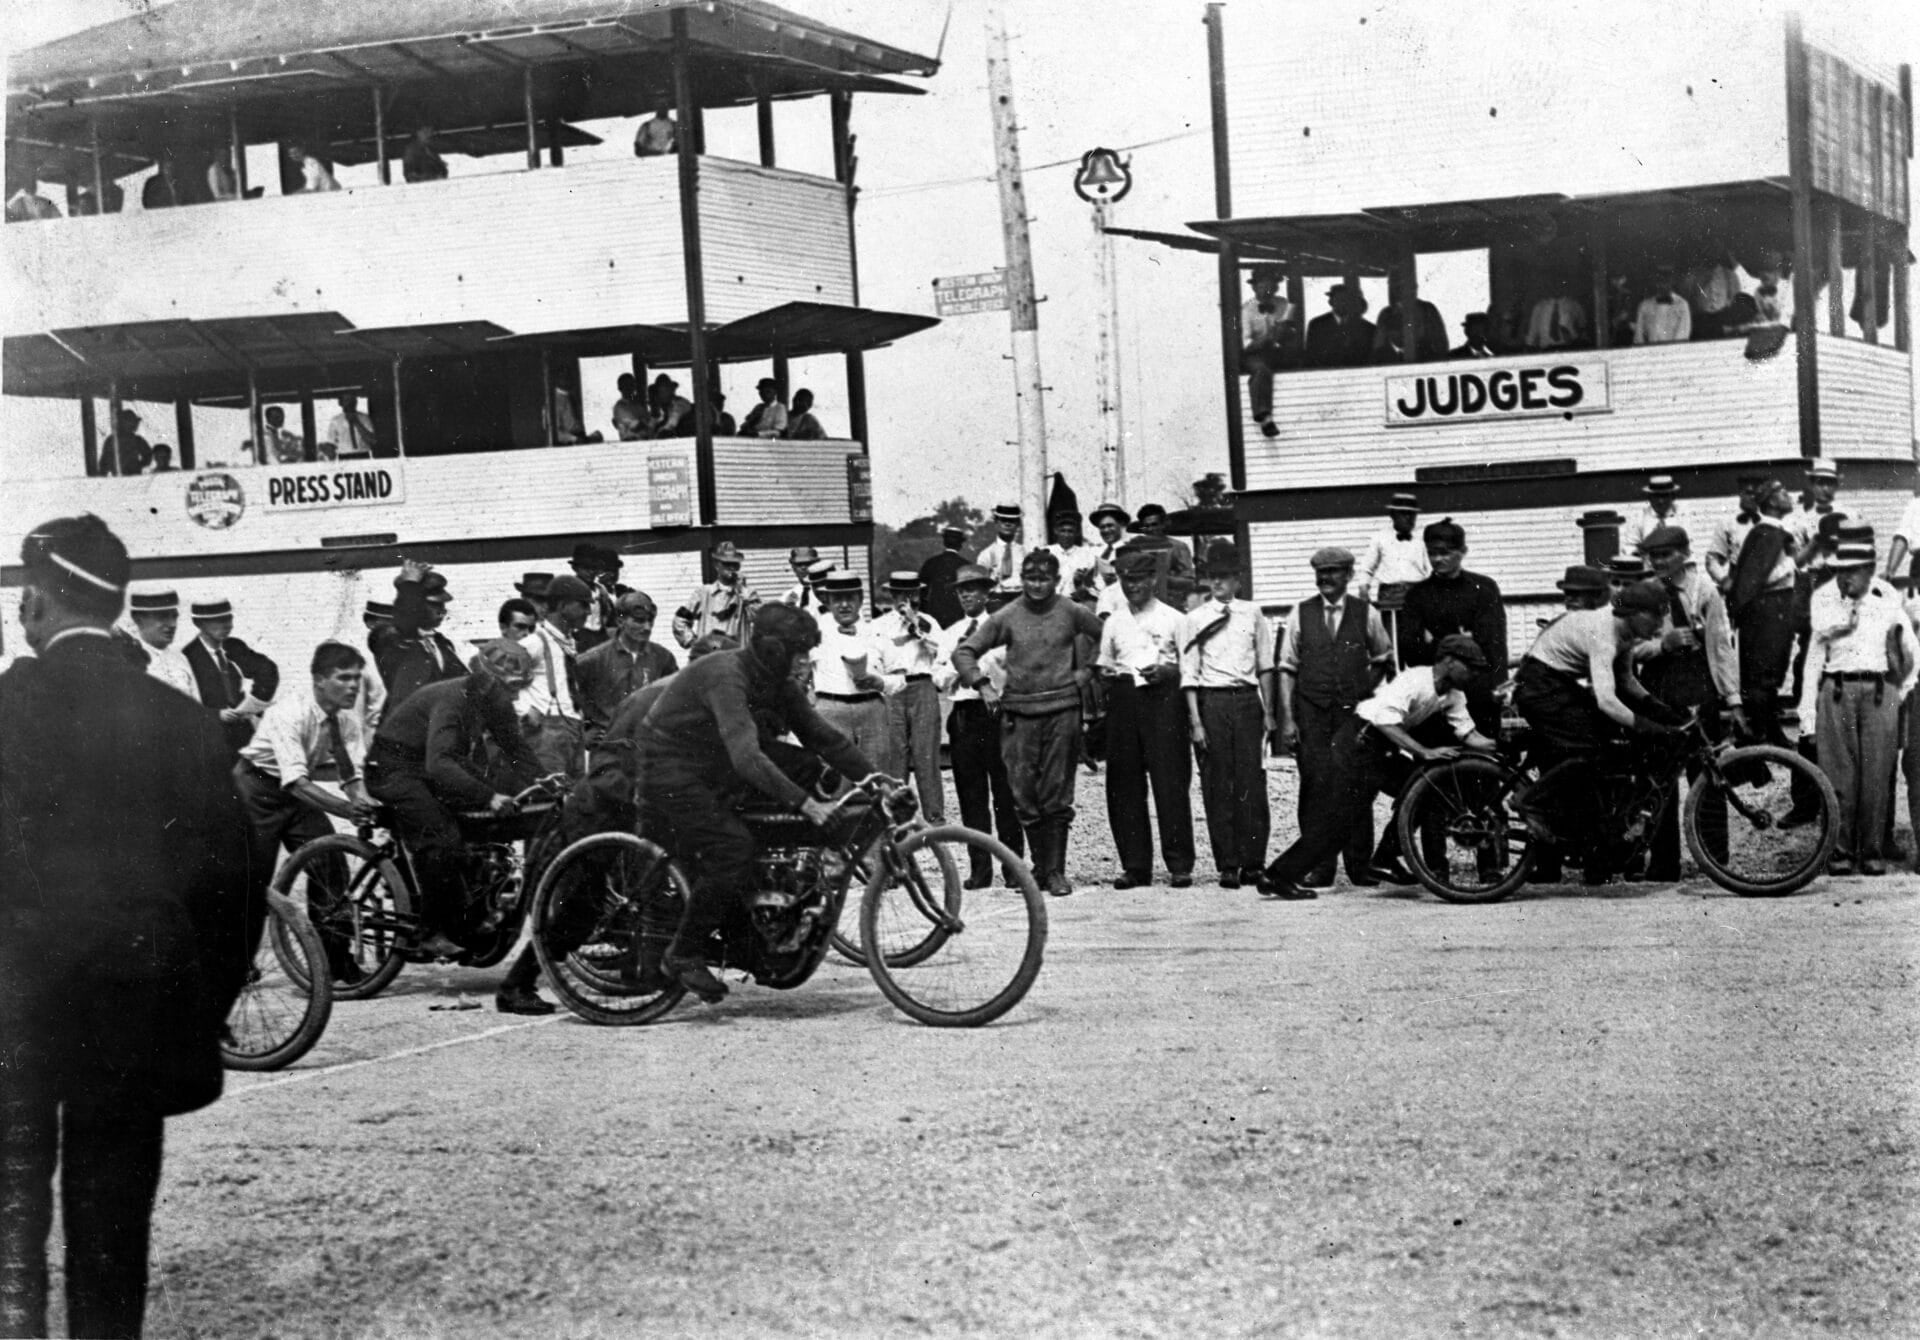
[[345, 1066]]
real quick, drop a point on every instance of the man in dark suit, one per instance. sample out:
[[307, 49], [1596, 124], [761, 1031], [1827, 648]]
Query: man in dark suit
[[122, 944], [408, 652], [937, 575], [234, 680], [1342, 338]]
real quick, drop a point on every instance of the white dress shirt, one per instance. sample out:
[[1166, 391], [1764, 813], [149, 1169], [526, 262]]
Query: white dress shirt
[[1132, 640], [909, 652], [1850, 637], [169, 665], [292, 739], [1235, 656], [549, 695], [1644, 521], [1389, 560], [946, 678], [830, 661], [1663, 321], [1410, 698], [349, 435], [1002, 560]]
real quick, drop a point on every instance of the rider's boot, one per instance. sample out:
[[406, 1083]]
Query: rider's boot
[[1061, 886], [693, 973], [517, 994]]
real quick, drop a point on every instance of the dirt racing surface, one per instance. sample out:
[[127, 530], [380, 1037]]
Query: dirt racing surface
[[1637, 1111]]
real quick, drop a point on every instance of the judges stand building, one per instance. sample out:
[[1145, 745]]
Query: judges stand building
[[456, 311], [1544, 164]]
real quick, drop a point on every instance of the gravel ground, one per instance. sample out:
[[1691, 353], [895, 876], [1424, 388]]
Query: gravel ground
[[1642, 1111]]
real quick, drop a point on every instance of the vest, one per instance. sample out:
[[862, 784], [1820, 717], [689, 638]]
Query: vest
[[1334, 671]]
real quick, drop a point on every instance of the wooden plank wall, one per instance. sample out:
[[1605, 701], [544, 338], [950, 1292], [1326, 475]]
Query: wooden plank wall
[[770, 236]]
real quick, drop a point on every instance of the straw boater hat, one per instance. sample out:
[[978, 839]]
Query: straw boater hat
[[1628, 568], [378, 609], [972, 574], [204, 611], [1114, 510], [1853, 554], [841, 582], [819, 570], [1660, 486], [1006, 512], [1403, 502], [903, 583], [154, 602], [1823, 470]]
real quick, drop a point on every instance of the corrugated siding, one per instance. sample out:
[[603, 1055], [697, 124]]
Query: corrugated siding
[[534, 492], [589, 245], [769, 236], [1454, 103], [1866, 400], [1676, 405], [1526, 550], [771, 483]]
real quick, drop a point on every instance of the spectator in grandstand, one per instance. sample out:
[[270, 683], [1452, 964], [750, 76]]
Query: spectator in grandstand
[[1478, 330], [162, 458], [349, 435], [421, 161], [315, 175], [631, 418], [1430, 334], [802, 425], [769, 417], [1557, 321], [125, 452], [657, 135], [568, 431], [1710, 289], [1263, 318], [1663, 316], [1343, 337], [723, 423], [283, 447], [671, 412]]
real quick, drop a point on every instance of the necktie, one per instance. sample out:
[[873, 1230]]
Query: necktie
[[1333, 621], [228, 676], [1006, 559], [1677, 608], [342, 760], [433, 645]]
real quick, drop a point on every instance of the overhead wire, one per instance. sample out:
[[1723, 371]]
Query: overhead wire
[[911, 188]]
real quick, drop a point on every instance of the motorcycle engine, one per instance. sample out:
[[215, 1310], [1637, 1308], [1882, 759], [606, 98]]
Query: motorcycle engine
[[783, 910], [492, 873]]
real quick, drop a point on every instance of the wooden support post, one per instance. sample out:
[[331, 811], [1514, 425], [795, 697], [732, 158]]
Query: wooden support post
[[237, 151], [556, 151], [99, 170], [380, 137], [780, 375], [1869, 281], [1902, 296], [1227, 272], [857, 397], [110, 448], [89, 435], [183, 433], [533, 124], [399, 414], [639, 364], [1409, 306], [309, 430], [256, 426], [763, 111], [1800, 174], [1296, 295], [688, 145], [1602, 318], [546, 397], [1836, 273]]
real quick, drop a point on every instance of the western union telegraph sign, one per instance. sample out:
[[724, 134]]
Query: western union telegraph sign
[[961, 294]]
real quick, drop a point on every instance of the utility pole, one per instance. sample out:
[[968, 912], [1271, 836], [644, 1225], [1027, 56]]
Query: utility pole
[[1113, 461], [1022, 310]]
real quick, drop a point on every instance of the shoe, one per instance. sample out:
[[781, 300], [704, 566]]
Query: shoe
[[1840, 865], [694, 975], [1268, 428], [521, 1000], [1057, 885], [348, 973], [439, 945], [1873, 866], [1180, 881], [1366, 879], [978, 881], [1129, 880], [1396, 874], [1279, 891], [1230, 878], [1312, 883]]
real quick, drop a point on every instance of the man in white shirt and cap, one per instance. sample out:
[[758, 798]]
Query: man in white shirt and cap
[[1860, 666], [1226, 675], [1662, 508], [156, 619], [850, 679], [909, 648]]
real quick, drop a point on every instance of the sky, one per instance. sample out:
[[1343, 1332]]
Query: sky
[[1127, 74]]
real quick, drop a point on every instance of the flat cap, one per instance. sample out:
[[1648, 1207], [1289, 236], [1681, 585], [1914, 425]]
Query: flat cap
[[1640, 598], [1331, 556], [1462, 648], [1665, 537], [567, 587]]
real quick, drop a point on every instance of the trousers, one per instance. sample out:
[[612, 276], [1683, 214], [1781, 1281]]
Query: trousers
[[1233, 778], [559, 744], [1857, 725], [1318, 724], [1147, 750], [1041, 753], [913, 721], [1356, 771], [980, 779], [1765, 628], [869, 725], [279, 820], [108, 1151]]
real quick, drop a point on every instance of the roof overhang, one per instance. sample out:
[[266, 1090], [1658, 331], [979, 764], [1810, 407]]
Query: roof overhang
[[801, 329]]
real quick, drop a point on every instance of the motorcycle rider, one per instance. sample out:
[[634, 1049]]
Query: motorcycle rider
[[710, 741]]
